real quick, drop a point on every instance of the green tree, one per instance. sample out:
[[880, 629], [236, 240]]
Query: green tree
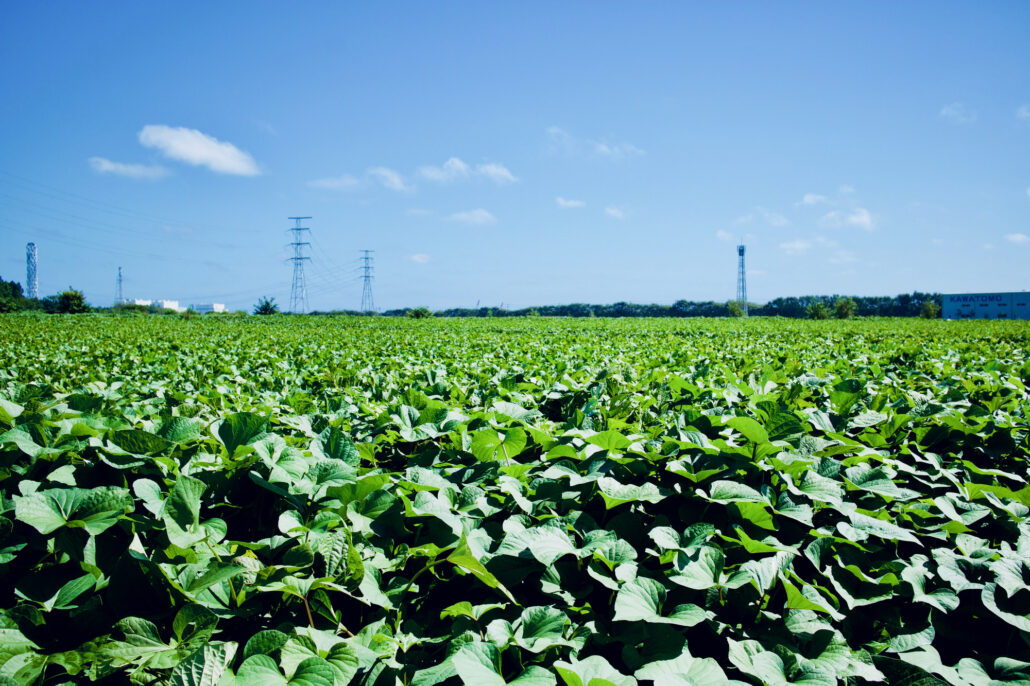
[[931, 310], [419, 313], [817, 310], [71, 301], [735, 308], [266, 306], [844, 308], [11, 297]]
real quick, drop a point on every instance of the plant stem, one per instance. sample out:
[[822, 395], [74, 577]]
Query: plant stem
[[232, 589], [307, 608]]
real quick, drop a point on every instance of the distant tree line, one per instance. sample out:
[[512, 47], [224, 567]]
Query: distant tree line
[[807, 306], [915, 304]]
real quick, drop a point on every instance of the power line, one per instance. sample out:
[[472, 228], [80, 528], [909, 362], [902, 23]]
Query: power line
[[367, 303], [298, 289]]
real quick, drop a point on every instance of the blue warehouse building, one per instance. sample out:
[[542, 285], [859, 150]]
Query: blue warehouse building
[[986, 305]]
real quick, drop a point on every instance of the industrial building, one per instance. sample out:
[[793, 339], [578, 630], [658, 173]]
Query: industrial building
[[207, 308], [986, 305]]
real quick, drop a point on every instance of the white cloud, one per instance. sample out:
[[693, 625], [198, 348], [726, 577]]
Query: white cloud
[[846, 189], [614, 212], [419, 212], [988, 246], [724, 235], [388, 178], [862, 218], [569, 204], [450, 170], [475, 217], [1023, 112], [420, 258], [345, 182], [813, 199], [1017, 238], [958, 113], [615, 150], [561, 141], [199, 149], [796, 247], [773, 218], [133, 171], [858, 217], [455, 169], [497, 173]]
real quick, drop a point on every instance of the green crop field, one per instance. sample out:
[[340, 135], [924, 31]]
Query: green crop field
[[320, 501]]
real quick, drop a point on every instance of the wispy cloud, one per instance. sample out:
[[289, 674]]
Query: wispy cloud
[[773, 218], [768, 216], [133, 171], [420, 258], [1023, 112], [615, 150], [388, 178], [958, 113], [859, 217], [569, 204], [497, 173], [796, 247], [475, 217], [455, 169], [846, 189], [724, 235], [1017, 238], [451, 170], [181, 230], [345, 182], [199, 149], [419, 212], [560, 141], [614, 212], [812, 199]]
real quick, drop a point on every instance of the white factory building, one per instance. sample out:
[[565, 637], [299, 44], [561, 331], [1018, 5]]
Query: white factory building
[[207, 308], [986, 305], [202, 308]]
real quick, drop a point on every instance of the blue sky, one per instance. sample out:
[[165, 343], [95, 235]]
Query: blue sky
[[518, 153]]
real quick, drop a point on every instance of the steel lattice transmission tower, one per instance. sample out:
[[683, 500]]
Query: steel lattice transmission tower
[[299, 289], [741, 279], [367, 265], [31, 277], [118, 297]]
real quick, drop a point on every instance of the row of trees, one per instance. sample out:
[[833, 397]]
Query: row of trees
[[810, 306], [12, 299]]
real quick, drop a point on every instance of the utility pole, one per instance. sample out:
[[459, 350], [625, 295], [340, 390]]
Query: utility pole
[[31, 278], [118, 297], [367, 265], [741, 279], [299, 289]]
